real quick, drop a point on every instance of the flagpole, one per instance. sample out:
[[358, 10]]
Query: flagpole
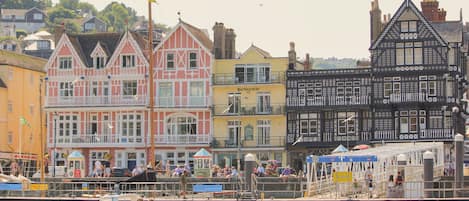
[[20, 142], [150, 70]]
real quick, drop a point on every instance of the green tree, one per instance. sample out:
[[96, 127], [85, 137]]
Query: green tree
[[69, 4], [60, 12], [86, 7], [117, 16]]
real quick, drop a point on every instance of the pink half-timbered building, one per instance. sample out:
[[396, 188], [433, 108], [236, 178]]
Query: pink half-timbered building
[[97, 99], [183, 94]]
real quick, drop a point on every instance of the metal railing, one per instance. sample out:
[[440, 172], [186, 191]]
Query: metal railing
[[227, 110], [255, 78], [437, 133], [97, 140], [328, 101], [182, 101], [411, 97], [90, 101], [272, 141], [183, 139]]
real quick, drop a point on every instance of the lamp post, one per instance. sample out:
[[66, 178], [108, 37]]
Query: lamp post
[[55, 143], [346, 129]]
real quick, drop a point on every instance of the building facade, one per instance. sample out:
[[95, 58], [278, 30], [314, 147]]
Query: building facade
[[21, 98], [93, 24], [183, 92], [97, 99], [411, 92], [30, 20], [249, 107]]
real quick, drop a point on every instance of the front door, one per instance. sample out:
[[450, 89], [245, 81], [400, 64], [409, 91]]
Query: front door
[[131, 160]]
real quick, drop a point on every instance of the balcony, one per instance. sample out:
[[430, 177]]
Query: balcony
[[183, 139], [226, 110], [425, 134], [182, 101], [273, 141], [328, 101], [91, 101], [255, 78], [410, 97], [93, 140]]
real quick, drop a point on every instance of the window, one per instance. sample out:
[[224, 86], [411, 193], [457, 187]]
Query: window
[[408, 26], [409, 53], [165, 92], [37, 16], [10, 137], [196, 93], [346, 123], [127, 61], [432, 88], [10, 106], [66, 89], [99, 62], [263, 102], [192, 60], [170, 61], [106, 125], [252, 73], [234, 103], [263, 132], [65, 63], [234, 132], [404, 125], [131, 128], [409, 121], [43, 45], [89, 26], [67, 128], [129, 87], [94, 88], [181, 125], [309, 124]]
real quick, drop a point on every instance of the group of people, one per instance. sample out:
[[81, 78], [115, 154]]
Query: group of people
[[227, 172], [394, 186], [100, 170]]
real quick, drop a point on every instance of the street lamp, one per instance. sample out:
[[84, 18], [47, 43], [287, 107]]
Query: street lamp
[[55, 142], [346, 129]]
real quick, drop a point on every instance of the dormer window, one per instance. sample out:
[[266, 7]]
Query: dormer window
[[99, 62], [127, 61], [65, 63], [408, 26]]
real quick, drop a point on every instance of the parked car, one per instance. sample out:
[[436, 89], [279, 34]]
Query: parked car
[[120, 172]]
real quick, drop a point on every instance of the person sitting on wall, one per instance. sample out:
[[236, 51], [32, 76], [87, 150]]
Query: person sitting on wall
[[286, 173]]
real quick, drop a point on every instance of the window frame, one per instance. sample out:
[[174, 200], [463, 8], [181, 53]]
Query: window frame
[[128, 84], [131, 58], [65, 62], [172, 61], [193, 62]]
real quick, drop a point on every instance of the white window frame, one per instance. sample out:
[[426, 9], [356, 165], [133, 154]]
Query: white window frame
[[67, 128], [128, 88], [409, 53], [66, 90], [263, 102], [234, 131], [350, 125], [234, 102], [170, 62], [99, 62], [65, 62], [129, 60], [263, 132], [131, 128], [181, 125], [197, 93], [192, 61], [166, 94]]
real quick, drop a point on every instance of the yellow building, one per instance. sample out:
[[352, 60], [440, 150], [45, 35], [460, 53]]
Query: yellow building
[[249, 107], [20, 109]]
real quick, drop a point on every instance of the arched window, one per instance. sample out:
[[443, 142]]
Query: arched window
[[181, 125]]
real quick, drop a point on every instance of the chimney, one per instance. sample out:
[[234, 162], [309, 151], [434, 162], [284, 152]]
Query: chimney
[[307, 62], [58, 32], [375, 21], [432, 12], [292, 57], [219, 40], [230, 41]]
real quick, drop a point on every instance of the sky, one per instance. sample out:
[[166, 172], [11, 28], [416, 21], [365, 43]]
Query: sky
[[322, 28]]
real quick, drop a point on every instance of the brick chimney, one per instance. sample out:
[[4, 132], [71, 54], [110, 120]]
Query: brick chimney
[[58, 32], [432, 12], [292, 57], [375, 21], [219, 40], [307, 62], [230, 44]]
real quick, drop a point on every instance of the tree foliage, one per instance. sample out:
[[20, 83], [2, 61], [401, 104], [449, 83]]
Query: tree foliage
[[59, 12], [86, 7], [117, 16], [69, 4], [25, 4]]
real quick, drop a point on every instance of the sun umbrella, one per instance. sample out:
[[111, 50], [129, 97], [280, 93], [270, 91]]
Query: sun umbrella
[[361, 147], [340, 149]]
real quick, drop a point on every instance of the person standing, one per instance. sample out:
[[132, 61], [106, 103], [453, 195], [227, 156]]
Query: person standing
[[390, 190], [183, 183]]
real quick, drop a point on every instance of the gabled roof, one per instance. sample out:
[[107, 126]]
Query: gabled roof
[[19, 12], [84, 44], [22, 61], [451, 31], [264, 53], [2, 84], [90, 18], [199, 34], [407, 4]]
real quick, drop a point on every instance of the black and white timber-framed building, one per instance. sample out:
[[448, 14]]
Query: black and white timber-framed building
[[406, 95]]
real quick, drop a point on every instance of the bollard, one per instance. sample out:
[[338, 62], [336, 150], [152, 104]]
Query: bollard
[[428, 173], [249, 165], [459, 155]]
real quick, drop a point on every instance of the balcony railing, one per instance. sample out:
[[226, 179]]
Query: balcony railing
[[182, 101], [256, 142], [411, 97], [93, 140], [328, 101], [95, 100], [255, 78], [226, 110], [183, 139], [425, 134]]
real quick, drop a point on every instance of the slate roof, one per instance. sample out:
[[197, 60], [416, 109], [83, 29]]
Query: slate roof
[[22, 61], [199, 34], [451, 31], [2, 84], [16, 12]]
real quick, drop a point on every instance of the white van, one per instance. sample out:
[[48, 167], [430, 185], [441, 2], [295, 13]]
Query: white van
[[60, 171]]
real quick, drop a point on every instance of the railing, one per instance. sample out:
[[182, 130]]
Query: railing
[[226, 110], [95, 100], [272, 141], [93, 140], [437, 133], [256, 78], [329, 101], [183, 139], [409, 97], [182, 101]]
